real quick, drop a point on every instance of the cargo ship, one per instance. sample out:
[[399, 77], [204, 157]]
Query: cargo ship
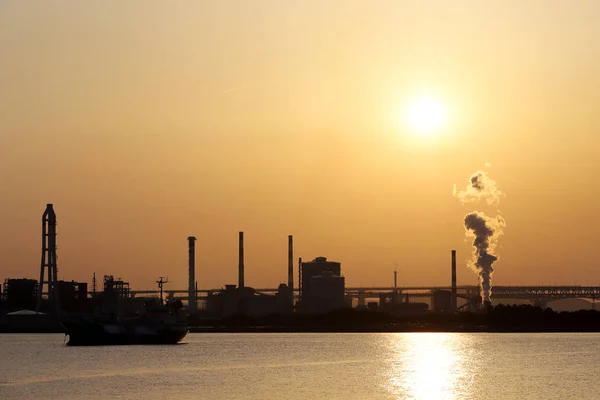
[[150, 328]]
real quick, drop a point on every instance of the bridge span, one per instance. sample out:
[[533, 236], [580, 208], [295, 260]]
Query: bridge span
[[536, 294]]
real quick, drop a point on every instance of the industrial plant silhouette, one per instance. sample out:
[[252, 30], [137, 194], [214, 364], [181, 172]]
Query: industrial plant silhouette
[[320, 300]]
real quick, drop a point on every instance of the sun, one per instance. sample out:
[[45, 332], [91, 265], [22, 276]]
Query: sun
[[425, 115]]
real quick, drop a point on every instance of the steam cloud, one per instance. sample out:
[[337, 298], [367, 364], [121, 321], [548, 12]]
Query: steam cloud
[[480, 187], [484, 230]]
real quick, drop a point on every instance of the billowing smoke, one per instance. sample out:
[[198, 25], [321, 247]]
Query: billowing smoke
[[485, 231], [480, 187]]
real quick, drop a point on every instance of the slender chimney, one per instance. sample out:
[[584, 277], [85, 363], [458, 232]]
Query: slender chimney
[[395, 291], [241, 262], [454, 280], [192, 275], [300, 278], [291, 264]]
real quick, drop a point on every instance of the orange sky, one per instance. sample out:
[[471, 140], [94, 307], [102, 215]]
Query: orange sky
[[145, 122]]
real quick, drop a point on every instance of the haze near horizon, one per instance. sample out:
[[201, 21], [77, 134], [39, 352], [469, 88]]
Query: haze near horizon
[[147, 122]]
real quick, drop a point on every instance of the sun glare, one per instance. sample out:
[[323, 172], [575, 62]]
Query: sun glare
[[425, 115]]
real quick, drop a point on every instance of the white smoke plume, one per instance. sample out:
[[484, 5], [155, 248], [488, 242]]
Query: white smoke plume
[[480, 187], [485, 232]]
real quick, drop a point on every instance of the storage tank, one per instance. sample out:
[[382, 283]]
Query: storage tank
[[326, 293], [20, 294], [316, 267]]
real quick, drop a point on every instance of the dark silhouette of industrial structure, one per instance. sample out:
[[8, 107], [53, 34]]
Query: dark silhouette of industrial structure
[[246, 300], [290, 284], [192, 296], [241, 261], [20, 294], [321, 288], [48, 266], [453, 278]]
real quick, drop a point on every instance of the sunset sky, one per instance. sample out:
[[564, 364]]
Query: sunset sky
[[145, 122]]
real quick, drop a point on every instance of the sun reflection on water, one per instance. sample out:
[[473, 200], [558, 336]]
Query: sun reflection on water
[[427, 366]]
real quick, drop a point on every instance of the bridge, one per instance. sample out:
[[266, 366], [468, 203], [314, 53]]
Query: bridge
[[539, 295]]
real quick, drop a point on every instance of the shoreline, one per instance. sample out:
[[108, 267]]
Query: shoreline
[[275, 329], [335, 330]]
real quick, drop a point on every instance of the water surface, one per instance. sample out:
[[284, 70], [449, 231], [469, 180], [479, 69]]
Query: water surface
[[432, 366]]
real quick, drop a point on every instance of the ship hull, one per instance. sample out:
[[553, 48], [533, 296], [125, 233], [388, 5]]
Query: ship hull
[[83, 333]]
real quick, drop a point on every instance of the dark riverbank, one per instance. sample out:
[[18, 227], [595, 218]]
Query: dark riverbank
[[386, 329], [500, 318], [497, 319]]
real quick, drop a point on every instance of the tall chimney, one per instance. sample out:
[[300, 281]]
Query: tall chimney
[[454, 280], [192, 275], [241, 262], [291, 264], [300, 278]]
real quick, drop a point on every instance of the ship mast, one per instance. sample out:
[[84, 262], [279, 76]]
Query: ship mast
[[162, 280]]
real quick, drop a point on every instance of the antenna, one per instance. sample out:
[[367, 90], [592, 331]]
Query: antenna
[[162, 280], [94, 286]]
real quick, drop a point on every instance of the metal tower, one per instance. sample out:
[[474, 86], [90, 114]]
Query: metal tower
[[94, 286], [48, 259]]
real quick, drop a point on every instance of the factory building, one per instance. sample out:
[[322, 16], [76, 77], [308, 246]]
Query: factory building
[[20, 294], [321, 286], [314, 268], [441, 301], [115, 298], [285, 298], [243, 299], [259, 305], [404, 309], [72, 296], [394, 305], [234, 300], [326, 293]]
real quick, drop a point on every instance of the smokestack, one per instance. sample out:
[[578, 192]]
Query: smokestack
[[192, 275], [454, 280], [241, 262], [300, 278], [291, 264]]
